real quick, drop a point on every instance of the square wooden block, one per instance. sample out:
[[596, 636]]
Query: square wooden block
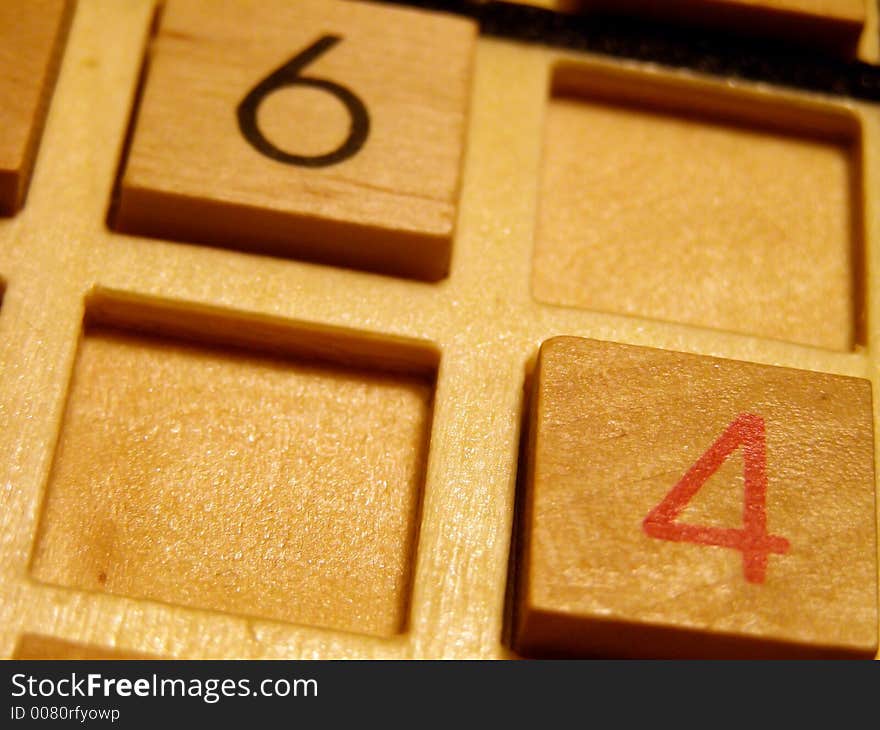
[[31, 41], [326, 130], [686, 506], [709, 209], [834, 25], [226, 479], [49, 648]]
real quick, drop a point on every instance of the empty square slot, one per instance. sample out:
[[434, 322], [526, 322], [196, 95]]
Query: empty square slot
[[702, 206], [217, 475]]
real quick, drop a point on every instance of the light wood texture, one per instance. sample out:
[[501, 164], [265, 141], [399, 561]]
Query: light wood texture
[[31, 41], [688, 214], [192, 175], [482, 321], [613, 428], [832, 24], [222, 479]]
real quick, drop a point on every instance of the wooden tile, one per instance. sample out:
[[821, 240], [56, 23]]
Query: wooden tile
[[31, 40], [34, 646], [686, 214], [379, 107], [832, 24], [233, 481], [680, 505]]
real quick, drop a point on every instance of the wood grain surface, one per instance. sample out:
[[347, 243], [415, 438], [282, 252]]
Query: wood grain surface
[[192, 174], [31, 40], [222, 479], [474, 334], [33, 647], [614, 428], [700, 218]]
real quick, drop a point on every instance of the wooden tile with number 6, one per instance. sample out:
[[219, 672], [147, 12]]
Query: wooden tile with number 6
[[320, 130]]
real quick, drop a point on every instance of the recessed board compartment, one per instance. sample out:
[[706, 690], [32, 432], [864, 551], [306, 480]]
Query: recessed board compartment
[[701, 205], [196, 468]]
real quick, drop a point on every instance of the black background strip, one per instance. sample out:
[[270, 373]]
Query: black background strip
[[707, 51]]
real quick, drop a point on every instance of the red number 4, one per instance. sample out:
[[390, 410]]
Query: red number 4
[[752, 539]]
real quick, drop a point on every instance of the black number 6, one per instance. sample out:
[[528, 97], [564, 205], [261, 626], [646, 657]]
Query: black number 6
[[288, 75]]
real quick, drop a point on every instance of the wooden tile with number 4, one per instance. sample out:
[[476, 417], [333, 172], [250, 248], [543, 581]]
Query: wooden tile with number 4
[[685, 506]]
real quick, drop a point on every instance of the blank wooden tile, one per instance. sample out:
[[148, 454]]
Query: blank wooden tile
[[832, 24], [31, 40], [617, 432], [689, 217], [192, 174], [237, 482]]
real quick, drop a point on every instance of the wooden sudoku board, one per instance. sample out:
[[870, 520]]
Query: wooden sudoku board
[[256, 408]]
